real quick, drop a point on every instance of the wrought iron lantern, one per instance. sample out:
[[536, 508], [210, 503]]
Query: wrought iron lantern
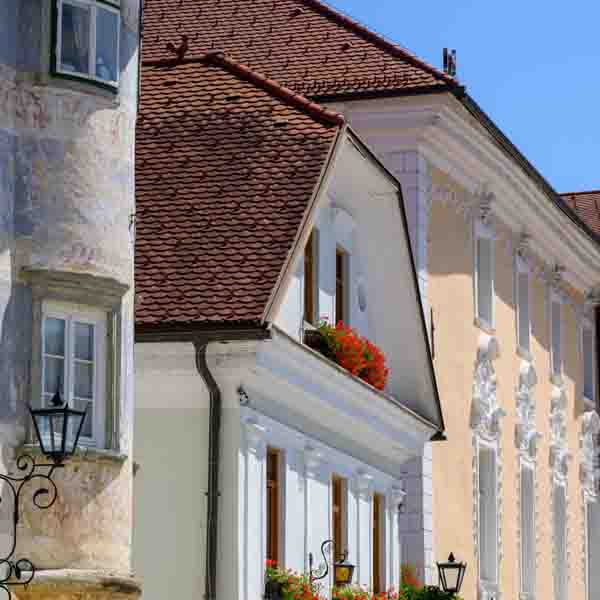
[[57, 430], [343, 571], [451, 574]]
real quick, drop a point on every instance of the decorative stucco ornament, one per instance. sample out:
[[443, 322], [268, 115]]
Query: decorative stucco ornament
[[590, 429], [485, 411], [526, 434], [559, 453]]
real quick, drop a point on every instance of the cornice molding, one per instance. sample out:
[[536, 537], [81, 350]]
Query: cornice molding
[[441, 129]]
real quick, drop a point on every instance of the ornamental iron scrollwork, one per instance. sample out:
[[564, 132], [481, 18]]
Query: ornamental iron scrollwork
[[22, 571]]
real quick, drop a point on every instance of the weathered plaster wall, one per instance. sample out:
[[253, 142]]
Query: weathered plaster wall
[[456, 338], [66, 204]]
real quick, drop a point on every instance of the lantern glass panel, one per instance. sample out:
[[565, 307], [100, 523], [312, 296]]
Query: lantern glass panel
[[451, 577]]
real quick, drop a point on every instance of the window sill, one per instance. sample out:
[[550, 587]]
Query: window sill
[[484, 326], [84, 453]]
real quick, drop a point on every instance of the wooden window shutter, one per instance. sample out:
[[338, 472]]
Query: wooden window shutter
[[273, 515]]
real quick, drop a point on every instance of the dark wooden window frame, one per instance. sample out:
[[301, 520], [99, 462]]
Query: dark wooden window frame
[[341, 285], [273, 504], [378, 539]]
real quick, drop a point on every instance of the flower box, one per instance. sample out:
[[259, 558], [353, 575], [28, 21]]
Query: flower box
[[350, 350]]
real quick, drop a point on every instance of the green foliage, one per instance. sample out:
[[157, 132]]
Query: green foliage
[[409, 592]]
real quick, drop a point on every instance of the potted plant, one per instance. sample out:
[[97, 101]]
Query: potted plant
[[350, 350]]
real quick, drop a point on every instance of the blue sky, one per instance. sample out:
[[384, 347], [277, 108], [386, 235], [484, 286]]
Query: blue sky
[[532, 65]]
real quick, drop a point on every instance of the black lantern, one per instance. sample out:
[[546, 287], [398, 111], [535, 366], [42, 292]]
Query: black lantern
[[58, 428], [451, 574], [343, 571]]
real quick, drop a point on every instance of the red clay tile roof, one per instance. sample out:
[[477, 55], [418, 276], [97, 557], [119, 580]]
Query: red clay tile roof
[[227, 163], [586, 206], [305, 44]]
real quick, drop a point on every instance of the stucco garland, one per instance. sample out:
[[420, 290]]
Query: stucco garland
[[486, 417], [588, 476]]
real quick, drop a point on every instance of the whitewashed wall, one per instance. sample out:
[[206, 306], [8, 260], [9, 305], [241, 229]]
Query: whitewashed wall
[[308, 466], [170, 447]]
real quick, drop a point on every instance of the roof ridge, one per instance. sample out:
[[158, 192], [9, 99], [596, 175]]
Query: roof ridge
[[579, 193], [376, 38], [218, 57]]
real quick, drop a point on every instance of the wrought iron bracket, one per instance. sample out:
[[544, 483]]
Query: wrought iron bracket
[[21, 571], [323, 570]]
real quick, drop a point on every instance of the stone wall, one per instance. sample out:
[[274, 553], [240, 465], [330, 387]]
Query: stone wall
[[66, 205]]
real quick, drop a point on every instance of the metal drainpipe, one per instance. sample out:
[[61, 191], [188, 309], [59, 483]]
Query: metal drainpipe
[[214, 438], [214, 444]]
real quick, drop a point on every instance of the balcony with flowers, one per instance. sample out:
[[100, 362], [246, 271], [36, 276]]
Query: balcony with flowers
[[344, 346]]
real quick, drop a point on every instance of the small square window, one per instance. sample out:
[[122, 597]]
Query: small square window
[[87, 40], [73, 363]]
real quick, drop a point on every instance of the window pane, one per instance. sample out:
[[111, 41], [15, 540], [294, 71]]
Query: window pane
[[75, 39], [88, 424], [54, 336], [523, 294], [487, 514], [484, 279], [560, 549], [588, 364], [556, 342], [84, 380], [84, 341], [107, 32], [53, 375], [527, 532]]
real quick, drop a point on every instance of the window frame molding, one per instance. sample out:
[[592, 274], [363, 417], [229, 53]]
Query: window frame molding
[[530, 465], [522, 267], [558, 484], [70, 312], [588, 322], [483, 230], [556, 296], [101, 294], [56, 44]]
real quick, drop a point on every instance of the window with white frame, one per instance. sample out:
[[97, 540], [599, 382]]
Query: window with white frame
[[588, 350], [527, 525], [73, 364], [523, 303], [593, 549], [87, 39], [488, 515], [484, 277], [556, 336], [560, 541]]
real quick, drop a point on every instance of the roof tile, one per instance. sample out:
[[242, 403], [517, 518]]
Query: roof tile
[[305, 44], [222, 188]]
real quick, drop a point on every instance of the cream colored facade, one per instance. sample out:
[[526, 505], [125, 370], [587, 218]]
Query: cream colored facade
[[451, 258], [459, 182]]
